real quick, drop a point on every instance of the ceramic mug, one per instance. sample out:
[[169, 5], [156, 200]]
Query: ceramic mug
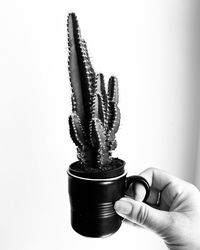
[[92, 200]]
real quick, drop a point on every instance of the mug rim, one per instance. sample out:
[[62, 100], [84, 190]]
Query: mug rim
[[117, 169], [96, 179]]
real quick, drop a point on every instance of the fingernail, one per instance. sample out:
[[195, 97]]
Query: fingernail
[[123, 207]]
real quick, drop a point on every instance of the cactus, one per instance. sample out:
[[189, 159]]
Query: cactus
[[95, 117]]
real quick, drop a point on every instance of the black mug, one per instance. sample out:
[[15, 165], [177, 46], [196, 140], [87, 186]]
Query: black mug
[[92, 200]]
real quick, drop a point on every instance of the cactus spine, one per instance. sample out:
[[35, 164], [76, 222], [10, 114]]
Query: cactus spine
[[95, 117]]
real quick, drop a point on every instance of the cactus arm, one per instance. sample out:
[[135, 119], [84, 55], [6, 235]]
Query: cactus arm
[[115, 117], [76, 131], [113, 110], [97, 108], [101, 109], [114, 121], [99, 100], [101, 89], [97, 135], [98, 139], [113, 90]]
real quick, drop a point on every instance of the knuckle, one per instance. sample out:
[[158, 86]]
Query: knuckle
[[142, 215], [193, 187], [151, 169]]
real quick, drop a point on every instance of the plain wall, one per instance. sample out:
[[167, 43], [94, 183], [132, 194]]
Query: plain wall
[[153, 49]]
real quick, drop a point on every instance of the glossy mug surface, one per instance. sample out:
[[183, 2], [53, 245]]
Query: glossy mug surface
[[92, 202]]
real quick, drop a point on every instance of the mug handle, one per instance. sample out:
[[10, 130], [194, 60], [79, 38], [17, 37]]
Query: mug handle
[[138, 179]]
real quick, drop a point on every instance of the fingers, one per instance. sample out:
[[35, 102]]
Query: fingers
[[158, 179], [142, 214], [154, 197], [163, 188], [138, 192]]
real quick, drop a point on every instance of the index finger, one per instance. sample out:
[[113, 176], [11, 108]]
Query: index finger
[[158, 179]]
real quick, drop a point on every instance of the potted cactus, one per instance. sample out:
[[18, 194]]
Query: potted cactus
[[97, 179]]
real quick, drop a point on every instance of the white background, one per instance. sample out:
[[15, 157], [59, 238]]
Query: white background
[[152, 47]]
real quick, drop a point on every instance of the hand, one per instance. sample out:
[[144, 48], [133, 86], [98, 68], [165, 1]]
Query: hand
[[177, 216]]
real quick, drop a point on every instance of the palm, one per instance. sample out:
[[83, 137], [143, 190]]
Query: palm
[[174, 200], [184, 209]]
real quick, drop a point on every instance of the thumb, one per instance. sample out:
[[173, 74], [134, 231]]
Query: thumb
[[142, 214]]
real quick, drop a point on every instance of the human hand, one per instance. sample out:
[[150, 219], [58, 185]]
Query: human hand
[[177, 216]]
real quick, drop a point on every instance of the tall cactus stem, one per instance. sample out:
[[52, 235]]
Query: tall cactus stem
[[95, 117]]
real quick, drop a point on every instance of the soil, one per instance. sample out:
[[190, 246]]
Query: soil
[[115, 168]]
